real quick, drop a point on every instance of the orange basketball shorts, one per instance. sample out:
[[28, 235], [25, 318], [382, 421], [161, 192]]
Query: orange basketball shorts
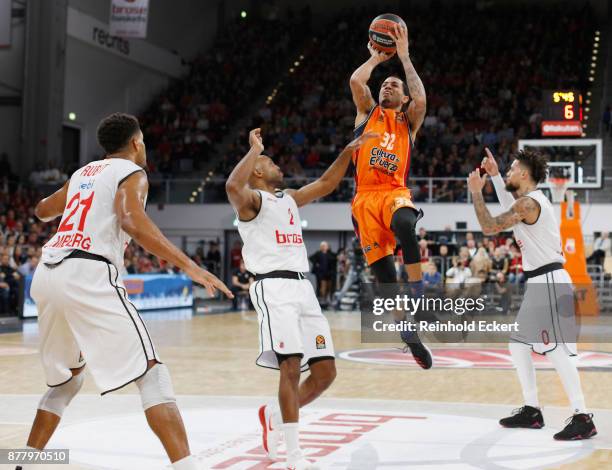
[[372, 213]]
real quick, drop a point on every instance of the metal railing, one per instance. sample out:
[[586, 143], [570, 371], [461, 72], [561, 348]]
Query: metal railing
[[186, 190], [435, 189]]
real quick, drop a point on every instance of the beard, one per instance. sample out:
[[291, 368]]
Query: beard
[[387, 103], [511, 187]]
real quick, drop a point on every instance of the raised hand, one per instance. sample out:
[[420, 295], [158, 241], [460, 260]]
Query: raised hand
[[379, 56], [255, 140], [358, 142], [476, 182], [489, 164], [399, 34]]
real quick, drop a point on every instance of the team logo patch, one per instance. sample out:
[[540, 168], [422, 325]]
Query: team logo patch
[[320, 340]]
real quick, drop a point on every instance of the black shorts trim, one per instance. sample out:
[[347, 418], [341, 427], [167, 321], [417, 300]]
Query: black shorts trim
[[144, 349], [280, 358], [125, 295], [314, 360]]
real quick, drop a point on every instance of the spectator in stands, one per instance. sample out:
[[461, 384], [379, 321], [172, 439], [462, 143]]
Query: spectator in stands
[[431, 277], [459, 273], [424, 251], [499, 263], [601, 249], [241, 281], [29, 266], [515, 270], [213, 258], [481, 264], [236, 255], [447, 236], [10, 277], [324, 268], [342, 267], [471, 247], [443, 259]]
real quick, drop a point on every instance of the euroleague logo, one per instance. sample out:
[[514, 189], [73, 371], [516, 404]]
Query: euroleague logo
[[476, 358]]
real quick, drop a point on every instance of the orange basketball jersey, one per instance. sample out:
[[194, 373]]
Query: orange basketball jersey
[[383, 163]]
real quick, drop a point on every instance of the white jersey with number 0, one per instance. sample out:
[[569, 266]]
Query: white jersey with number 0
[[273, 239], [89, 222], [540, 242]]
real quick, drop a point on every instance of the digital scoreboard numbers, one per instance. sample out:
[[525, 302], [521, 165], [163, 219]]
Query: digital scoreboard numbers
[[562, 113]]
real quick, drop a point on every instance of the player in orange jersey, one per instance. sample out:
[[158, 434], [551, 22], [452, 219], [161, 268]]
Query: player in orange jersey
[[382, 207]]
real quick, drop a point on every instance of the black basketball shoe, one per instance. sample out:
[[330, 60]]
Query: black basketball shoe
[[525, 417], [579, 426], [420, 352]]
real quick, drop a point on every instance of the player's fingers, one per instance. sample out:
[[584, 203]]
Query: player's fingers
[[210, 289], [489, 154]]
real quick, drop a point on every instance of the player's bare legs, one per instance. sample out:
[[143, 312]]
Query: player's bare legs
[[45, 423], [288, 389], [166, 422], [322, 374]]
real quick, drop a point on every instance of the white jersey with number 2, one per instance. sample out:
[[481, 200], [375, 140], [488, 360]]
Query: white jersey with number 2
[[273, 239], [89, 222]]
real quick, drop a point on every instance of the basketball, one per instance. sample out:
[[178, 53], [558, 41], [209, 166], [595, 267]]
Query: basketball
[[379, 31]]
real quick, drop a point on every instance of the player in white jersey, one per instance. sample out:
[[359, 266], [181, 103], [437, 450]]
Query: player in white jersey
[[293, 333], [546, 318], [85, 315]]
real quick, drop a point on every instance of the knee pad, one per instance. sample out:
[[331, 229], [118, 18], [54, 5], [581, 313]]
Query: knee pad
[[403, 225], [58, 398], [156, 387]]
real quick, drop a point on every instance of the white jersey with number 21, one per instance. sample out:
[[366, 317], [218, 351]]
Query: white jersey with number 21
[[89, 222]]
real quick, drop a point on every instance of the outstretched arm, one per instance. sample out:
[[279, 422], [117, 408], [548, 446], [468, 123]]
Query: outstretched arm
[[362, 96], [130, 210], [418, 100], [329, 180], [523, 209], [506, 199], [245, 200], [51, 207]]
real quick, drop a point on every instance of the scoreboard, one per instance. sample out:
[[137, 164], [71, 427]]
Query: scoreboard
[[562, 113]]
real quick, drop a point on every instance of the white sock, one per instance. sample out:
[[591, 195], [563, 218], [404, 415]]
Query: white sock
[[186, 463], [568, 372], [521, 357], [276, 417], [291, 431]]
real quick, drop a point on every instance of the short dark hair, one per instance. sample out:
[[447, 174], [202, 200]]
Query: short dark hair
[[115, 131], [536, 164]]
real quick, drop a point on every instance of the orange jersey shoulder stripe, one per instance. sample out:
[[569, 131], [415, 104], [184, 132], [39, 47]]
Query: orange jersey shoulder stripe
[[384, 162]]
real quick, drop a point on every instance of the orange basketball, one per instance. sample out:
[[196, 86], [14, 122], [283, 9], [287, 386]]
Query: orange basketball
[[379, 31]]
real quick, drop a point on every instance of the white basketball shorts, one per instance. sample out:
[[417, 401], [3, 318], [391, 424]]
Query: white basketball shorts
[[547, 317], [84, 315], [290, 321]]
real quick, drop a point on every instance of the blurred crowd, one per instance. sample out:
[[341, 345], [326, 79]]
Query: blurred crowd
[[484, 88], [183, 125], [22, 237]]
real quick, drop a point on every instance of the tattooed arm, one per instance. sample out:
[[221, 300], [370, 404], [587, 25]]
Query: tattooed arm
[[524, 209], [418, 101]]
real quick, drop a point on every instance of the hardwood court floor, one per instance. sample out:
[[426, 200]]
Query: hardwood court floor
[[213, 356]]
